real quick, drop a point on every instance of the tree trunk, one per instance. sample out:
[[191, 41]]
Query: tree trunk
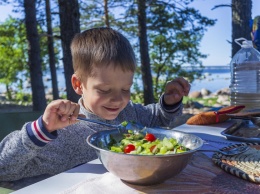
[[144, 54], [38, 93], [8, 92], [55, 91], [106, 13], [241, 16], [69, 26]]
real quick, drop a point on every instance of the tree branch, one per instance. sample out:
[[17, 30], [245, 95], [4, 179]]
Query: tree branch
[[221, 5]]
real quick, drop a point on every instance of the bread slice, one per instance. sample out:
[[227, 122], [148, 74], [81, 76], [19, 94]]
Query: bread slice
[[213, 117]]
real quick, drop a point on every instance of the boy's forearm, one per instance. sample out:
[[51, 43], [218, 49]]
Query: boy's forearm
[[170, 108], [39, 134], [16, 150]]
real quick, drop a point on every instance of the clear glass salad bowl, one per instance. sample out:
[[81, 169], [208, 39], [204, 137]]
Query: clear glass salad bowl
[[144, 169]]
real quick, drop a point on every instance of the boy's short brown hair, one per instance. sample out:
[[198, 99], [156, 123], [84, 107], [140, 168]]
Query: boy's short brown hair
[[101, 46]]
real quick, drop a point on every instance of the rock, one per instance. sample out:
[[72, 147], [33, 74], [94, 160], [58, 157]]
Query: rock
[[226, 103], [195, 94], [49, 97], [49, 91], [223, 91], [205, 92], [206, 74], [222, 98]]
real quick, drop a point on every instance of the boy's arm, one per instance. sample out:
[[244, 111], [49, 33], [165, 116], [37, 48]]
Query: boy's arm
[[24, 153], [152, 115], [167, 113], [39, 134], [170, 108], [19, 148], [163, 113]]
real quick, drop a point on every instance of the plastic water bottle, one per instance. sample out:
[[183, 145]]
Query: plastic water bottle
[[245, 76]]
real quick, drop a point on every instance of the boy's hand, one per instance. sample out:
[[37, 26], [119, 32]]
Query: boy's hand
[[175, 90], [59, 114]]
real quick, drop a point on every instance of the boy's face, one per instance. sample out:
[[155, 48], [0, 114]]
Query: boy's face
[[107, 93]]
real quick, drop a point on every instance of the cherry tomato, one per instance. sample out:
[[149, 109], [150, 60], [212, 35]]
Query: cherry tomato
[[154, 149], [150, 137], [129, 148]]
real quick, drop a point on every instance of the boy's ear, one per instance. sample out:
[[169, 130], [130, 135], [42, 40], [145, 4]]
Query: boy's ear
[[76, 84]]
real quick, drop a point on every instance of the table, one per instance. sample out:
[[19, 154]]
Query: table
[[200, 176]]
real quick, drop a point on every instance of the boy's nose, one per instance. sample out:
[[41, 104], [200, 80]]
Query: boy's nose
[[117, 96]]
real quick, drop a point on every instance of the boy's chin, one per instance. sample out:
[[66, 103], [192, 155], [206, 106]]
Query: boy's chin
[[109, 116]]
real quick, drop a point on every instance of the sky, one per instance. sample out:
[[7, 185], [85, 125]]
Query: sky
[[215, 41]]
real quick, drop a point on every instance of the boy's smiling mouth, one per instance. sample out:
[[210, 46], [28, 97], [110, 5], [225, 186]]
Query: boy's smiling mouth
[[112, 109]]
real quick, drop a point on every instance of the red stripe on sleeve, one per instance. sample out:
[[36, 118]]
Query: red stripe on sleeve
[[38, 133]]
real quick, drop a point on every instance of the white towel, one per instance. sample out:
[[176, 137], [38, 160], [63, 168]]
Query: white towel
[[106, 184]]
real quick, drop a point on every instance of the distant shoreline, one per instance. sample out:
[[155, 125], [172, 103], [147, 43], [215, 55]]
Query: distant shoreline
[[216, 77]]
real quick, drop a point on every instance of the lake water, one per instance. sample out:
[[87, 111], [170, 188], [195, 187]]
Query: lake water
[[215, 78]]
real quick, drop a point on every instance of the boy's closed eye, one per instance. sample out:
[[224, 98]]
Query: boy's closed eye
[[126, 90], [107, 91], [104, 91]]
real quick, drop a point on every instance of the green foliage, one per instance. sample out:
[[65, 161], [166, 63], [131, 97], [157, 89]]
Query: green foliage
[[137, 95], [205, 101], [92, 13], [44, 49], [12, 53], [175, 33], [23, 97]]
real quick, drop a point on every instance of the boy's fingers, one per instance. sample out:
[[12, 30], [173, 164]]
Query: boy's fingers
[[185, 84], [182, 85], [67, 110], [173, 87], [75, 113]]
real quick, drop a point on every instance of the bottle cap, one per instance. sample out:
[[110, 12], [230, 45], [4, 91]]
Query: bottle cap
[[245, 44]]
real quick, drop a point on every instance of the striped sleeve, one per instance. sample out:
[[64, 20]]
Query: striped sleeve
[[38, 133], [170, 108]]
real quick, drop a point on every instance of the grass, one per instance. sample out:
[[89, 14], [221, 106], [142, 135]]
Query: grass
[[211, 101]]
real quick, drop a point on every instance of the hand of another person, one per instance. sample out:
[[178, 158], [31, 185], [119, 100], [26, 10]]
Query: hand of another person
[[59, 114], [175, 90]]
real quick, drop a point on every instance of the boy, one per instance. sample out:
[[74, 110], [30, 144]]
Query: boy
[[104, 65]]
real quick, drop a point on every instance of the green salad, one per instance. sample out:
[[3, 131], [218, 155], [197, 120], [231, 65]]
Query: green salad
[[146, 144]]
